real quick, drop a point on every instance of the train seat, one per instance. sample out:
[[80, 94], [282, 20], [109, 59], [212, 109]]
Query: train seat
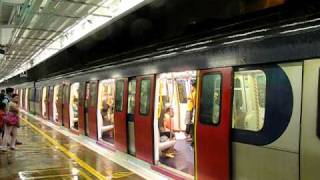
[[107, 128]]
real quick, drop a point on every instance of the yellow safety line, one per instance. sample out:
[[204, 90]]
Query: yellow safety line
[[49, 176], [85, 175], [68, 153], [118, 175]]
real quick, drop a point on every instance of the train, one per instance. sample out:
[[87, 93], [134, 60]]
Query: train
[[242, 107]]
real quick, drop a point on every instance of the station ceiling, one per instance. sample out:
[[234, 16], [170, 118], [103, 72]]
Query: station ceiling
[[29, 26]]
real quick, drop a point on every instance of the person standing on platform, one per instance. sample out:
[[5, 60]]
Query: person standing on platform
[[6, 100], [11, 124], [7, 97], [3, 92], [2, 114], [190, 112]]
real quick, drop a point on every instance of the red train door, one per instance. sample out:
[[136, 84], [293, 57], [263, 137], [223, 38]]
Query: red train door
[[214, 124], [81, 107], [50, 103], [120, 115], [47, 103], [91, 118], [144, 118], [59, 105], [65, 106]]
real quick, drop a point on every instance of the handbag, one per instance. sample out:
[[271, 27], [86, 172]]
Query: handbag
[[11, 119]]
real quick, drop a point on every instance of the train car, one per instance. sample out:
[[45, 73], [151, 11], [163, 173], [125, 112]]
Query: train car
[[248, 119], [244, 109]]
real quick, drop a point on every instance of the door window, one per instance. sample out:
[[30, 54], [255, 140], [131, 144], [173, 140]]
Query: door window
[[145, 96], [119, 95], [131, 96], [66, 93], [249, 100], [210, 99], [44, 102], [93, 94]]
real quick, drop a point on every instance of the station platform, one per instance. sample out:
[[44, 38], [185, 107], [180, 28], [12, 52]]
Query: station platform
[[50, 152]]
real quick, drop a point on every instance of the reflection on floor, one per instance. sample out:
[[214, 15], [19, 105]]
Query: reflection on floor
[[183, 159], [36, 158]]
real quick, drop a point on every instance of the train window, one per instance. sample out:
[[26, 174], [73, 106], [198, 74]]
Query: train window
[[81, 93], [38, 95], [145, 96], [249, 100], [93, 94], [60, 93], [50, 89], [131, 96], [30, 94], [119, 95], [44, 102], [210, 99], [182, 88], [66, 89]]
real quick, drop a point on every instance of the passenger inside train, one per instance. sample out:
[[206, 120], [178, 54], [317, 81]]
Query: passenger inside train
[[106, 111], [175, 109]]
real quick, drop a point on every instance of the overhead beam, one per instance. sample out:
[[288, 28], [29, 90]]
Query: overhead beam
[[15, 55], [84, 3], [29, 45], [14, 1], [102, 15], [39, 29], [37, 39], [55, 14]]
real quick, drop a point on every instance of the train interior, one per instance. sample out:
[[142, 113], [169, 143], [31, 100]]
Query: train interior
[[74, 106], [174, 120], [105, 110], [55, 103], [249, 100]]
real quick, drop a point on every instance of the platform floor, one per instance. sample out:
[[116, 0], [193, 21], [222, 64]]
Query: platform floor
[[48, 154]]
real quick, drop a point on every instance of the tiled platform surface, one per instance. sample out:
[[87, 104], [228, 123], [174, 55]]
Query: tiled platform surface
[[40, 157]]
